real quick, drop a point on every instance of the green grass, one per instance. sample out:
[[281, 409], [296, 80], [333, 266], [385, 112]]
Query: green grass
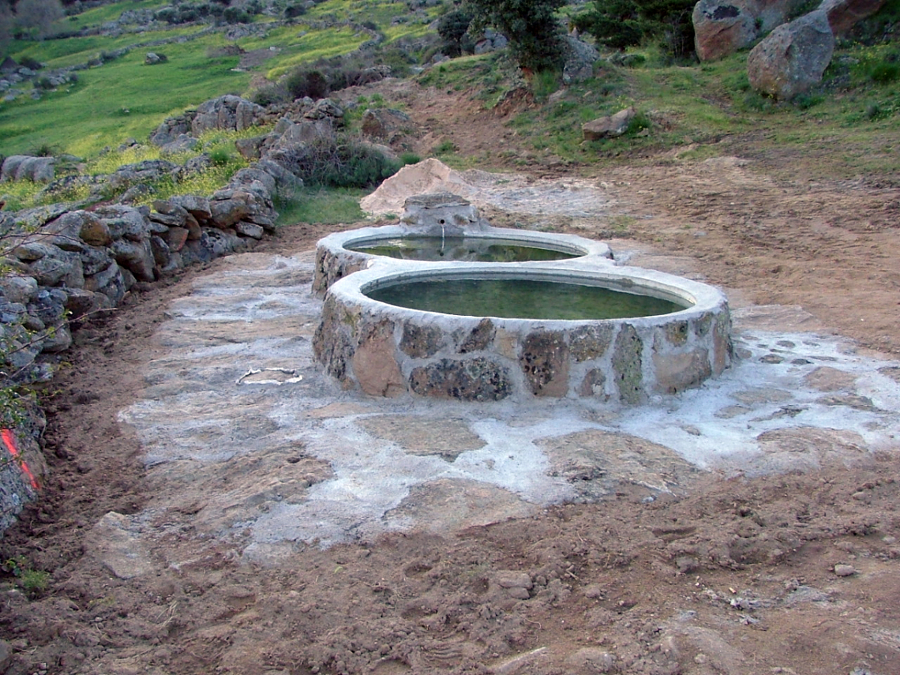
[[77, 50], [219, 145], [121, 99], [105, 13], [324, 206], [295, 48]]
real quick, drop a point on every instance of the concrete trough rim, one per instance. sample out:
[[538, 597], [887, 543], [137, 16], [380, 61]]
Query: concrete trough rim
[[701, 297], [562, 243]]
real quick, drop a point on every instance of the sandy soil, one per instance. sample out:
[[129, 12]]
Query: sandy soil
[[793, 573]]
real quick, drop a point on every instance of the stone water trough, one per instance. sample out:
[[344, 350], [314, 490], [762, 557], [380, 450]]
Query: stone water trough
[[390, 348]]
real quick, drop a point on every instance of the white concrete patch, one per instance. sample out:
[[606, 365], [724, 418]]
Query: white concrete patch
[[288, 463]]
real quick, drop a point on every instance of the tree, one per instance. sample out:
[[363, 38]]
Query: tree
[[625, 23], [534, 34], [38, 16], [613, 23], [453, 28], [6, 28]]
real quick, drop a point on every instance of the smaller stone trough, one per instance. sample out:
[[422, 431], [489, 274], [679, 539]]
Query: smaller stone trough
[[443, 215], [389, 350]]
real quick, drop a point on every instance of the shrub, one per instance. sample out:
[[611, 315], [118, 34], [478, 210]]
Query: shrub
[[270, 94], [534, 34], [884, 72], [301, 82], [339, 162], [453, 28], [30, 63], [445, 147], [624, 23], [293, 11], [235, 15], [220, 156]]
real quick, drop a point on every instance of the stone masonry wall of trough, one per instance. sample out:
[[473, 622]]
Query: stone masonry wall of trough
[[384, 350]]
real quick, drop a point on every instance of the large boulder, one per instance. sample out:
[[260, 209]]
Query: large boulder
[[722, 27], [579, 60], [385, 124], [772, 13], [844, 14], [793, 57], [170, 130], [24, 167], [608, 127], [231, 113]]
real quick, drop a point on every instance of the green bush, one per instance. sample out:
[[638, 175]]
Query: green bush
[[270, 94], [301, 82], [884, 72], [340, 163], [625, 23], [531, 26], [30, 63], [453, 27]]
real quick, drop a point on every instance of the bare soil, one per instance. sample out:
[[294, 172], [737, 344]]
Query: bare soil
[[795, 573]]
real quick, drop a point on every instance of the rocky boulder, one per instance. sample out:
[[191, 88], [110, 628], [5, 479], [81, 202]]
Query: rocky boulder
[[793, 57], [230, 113], [490, 41], [579, 60], [844, 14], [772, 13], [171, 129], [385, 123], [722, 28], [24, 167], [608, 127]]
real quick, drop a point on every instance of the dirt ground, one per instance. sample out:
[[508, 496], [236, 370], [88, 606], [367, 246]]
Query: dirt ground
[[794, 573]]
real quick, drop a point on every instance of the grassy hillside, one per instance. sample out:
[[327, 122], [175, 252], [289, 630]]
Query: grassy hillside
[[124, 98], [851, 121]]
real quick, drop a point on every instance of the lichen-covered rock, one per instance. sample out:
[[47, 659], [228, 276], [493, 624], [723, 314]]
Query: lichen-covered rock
[[136, 257], [170, 129], [590, 342], [198, 207], [579, 60], [722, 27], [420, 342], [793, 57], [479, 338], [627, 365], [608, 127], [58, 268], [230, 113], [545, 361], [385, 123], [25, 167], [844, 14], [477, 379], [108, 281], [125, 222]]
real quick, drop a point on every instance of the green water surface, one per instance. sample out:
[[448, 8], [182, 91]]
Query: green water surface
[[521, 299], [468, 249]]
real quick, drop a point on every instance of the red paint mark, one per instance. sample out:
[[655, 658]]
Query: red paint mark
[[10, 440]]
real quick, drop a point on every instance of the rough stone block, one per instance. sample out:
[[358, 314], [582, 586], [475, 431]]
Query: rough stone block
[[476, 379], [545, 361]]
